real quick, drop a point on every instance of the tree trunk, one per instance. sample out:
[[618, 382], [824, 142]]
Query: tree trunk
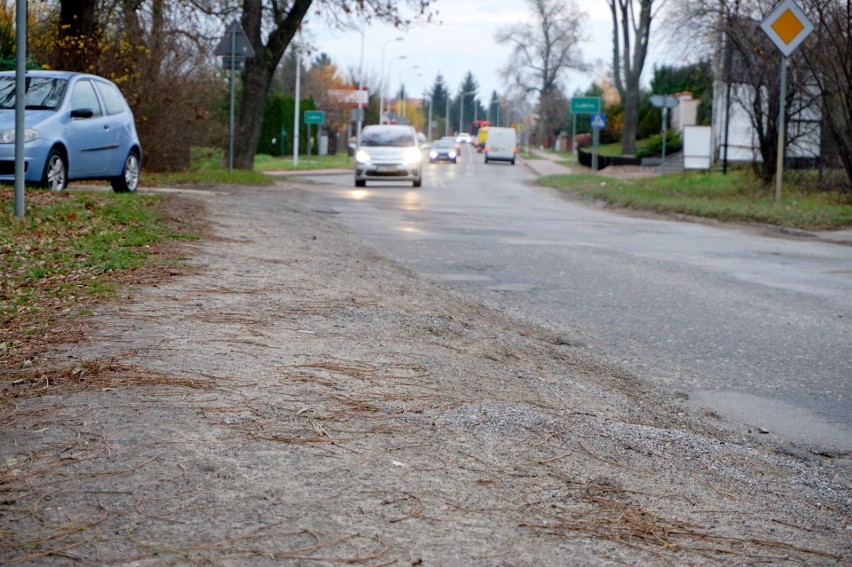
[[258, 73], [631, 121], [630, 49], [79, 35]]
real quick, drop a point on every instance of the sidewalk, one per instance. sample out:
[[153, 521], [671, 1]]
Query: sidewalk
[[298, 172], [297, 398], [545, 163]]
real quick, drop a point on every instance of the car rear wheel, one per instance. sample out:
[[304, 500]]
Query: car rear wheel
[[55, 175], [128, 181]]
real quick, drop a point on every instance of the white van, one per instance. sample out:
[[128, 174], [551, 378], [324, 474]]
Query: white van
[[501, 144]]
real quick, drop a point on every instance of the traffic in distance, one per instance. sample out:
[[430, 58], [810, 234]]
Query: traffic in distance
[[397, 152]]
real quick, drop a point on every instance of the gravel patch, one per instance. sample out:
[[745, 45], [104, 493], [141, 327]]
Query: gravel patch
[[295, 399]]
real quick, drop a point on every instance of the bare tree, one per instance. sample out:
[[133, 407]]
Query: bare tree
[[631, 32], [818, 77], [154, 51], [753, 66], [542, 52], [832, 73], [270, 27]]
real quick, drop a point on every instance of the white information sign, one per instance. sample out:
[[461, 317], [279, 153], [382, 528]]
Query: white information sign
[[349, 96], [697, 147]]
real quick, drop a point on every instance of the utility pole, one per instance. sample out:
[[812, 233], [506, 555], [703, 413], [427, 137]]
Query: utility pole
[[447, 117], [296, 114], [429, 125], [461, 109]]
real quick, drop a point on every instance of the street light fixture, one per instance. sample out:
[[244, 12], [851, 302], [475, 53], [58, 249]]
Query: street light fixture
[[382, 87]]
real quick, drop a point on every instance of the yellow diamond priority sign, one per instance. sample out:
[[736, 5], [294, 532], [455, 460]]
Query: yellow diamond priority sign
[[787, 26]]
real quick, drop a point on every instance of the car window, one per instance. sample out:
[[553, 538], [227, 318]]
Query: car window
[[113, 100], [399, 138], [42, 93], [83, 97]]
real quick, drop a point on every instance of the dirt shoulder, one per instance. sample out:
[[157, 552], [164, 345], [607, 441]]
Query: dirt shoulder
[[291, 398]]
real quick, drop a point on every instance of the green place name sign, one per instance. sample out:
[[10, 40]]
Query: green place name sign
[[314, 117], [586, 105]]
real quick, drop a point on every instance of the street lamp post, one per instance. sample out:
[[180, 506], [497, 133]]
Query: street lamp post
[[390, 65], [405, 92], [401, 83], [461, 108], [382, 78], [429, 124], [360, 86], [447, 117]]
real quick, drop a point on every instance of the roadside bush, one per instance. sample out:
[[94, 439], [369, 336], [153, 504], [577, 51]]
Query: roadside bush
[[163, 72], [653, 146], [650, 124], [584, 140]]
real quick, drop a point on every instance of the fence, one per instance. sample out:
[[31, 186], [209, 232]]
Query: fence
[[585, 159]]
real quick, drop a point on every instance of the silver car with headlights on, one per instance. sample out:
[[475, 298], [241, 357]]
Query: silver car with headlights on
[[388, 152]]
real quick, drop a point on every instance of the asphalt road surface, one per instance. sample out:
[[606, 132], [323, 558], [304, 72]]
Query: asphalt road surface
[[756, 328]]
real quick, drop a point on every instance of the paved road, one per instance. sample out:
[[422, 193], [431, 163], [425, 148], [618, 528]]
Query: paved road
[[755, 328]]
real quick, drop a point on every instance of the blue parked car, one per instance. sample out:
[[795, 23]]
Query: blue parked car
[[78, 126]]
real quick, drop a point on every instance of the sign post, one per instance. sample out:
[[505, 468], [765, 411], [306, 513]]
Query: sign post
[[234, 48], [20, 104], [787, 27], [313, 117], [582, 105], [665, 102], [598, 121]]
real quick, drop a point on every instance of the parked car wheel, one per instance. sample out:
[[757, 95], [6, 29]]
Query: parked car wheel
[[55, 175], [128, 181]]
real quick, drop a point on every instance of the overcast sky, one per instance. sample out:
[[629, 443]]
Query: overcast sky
[[463, 41]]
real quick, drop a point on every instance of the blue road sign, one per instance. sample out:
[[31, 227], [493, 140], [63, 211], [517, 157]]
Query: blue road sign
[[599, 120]]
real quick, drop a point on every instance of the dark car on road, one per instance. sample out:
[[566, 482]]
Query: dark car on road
[[443, 150]]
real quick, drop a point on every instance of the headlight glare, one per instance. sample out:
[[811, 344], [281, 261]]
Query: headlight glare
[[362, 157], [8, 136], [413, 155]]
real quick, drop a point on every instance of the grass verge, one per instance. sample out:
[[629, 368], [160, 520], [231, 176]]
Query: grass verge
[[264, 162], [69, 250], [206, 168], [733, 197]]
